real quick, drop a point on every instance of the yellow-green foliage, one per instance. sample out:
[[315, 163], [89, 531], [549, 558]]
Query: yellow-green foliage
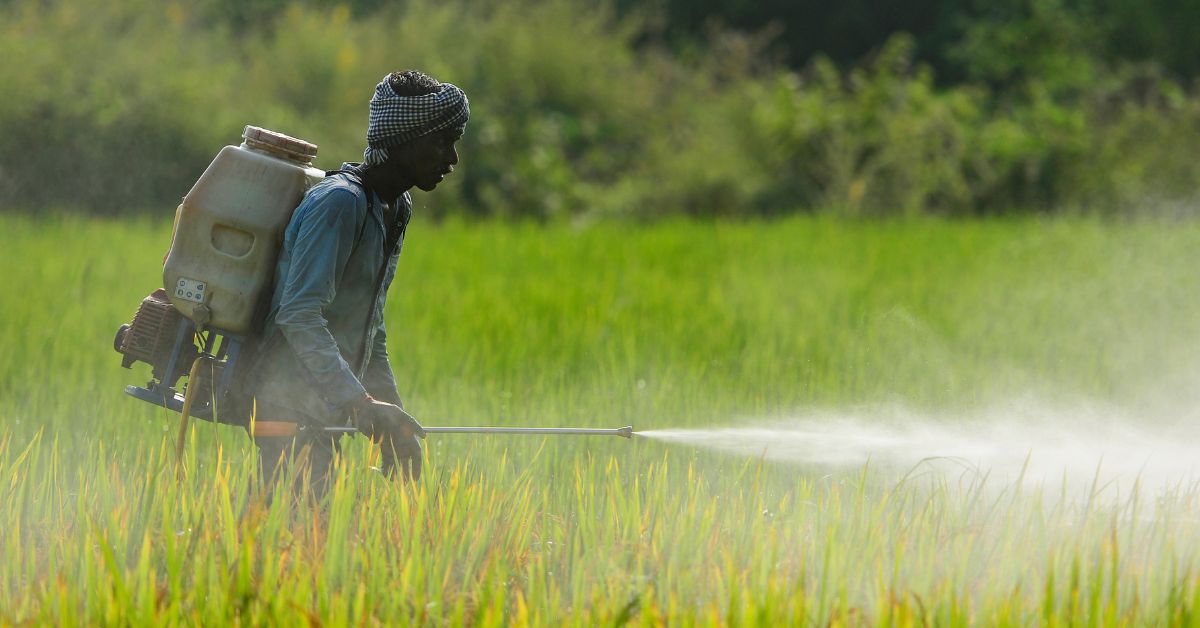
[[683, 324]]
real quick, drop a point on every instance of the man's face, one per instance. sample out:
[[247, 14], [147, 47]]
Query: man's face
[[427, 160]]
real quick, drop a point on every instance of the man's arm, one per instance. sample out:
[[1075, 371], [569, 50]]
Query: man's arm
[[327, 230], [378, 379]]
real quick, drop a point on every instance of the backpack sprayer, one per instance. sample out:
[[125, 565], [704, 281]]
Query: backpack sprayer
[[217, 285]]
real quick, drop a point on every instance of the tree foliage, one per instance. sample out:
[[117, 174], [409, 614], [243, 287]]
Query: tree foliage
[[1161, 32], [584, 110]]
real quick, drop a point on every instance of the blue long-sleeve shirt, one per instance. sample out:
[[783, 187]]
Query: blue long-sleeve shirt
[[324, 309]]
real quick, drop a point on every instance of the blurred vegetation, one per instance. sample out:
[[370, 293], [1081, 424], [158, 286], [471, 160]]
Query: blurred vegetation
[[586, 110], [1161, 32]]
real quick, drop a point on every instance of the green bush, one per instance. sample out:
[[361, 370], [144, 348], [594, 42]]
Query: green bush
[[876, 140], [883, 140], [107, 107]]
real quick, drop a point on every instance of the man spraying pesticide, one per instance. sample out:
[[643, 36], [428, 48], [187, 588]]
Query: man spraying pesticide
[[280, 312]]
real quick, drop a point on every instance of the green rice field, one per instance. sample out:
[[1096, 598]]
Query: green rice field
[[677, 325]]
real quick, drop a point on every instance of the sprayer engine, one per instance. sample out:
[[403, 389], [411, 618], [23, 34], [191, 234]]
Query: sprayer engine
[[150, 338], [159, 335]]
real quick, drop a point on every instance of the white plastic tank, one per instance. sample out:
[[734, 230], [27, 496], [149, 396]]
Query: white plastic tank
[[230, 225]]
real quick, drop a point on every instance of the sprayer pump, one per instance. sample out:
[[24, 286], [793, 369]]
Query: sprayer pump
[[217, 274]]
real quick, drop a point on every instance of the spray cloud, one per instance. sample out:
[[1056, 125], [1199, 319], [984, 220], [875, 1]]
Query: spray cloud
[[1041, 443]]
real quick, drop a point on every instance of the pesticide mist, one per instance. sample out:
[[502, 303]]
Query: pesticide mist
[[1082, 447]]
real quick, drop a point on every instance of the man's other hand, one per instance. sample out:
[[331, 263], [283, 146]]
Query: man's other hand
[[379, 419], [396, 431]]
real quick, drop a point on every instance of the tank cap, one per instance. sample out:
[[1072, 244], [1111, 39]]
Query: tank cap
[[285, 145]]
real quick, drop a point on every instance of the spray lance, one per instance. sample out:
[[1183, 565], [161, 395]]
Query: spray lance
[[217, 280], [623, 432]]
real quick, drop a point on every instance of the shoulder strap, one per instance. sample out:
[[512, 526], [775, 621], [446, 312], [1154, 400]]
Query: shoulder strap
[[357, 178]]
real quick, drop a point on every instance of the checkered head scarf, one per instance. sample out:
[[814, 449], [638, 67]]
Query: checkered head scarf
[[398, 119]]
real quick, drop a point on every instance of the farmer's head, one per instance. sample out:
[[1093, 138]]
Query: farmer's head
[[414, 123]]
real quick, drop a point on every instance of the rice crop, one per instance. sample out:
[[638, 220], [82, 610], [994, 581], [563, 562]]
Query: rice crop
[[680, 327]]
